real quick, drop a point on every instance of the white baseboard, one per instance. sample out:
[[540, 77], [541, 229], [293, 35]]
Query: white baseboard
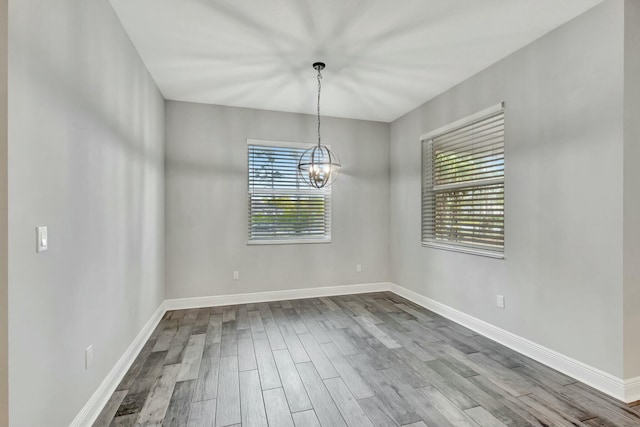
[[90, 411], [324, 291], [596, 378], [632, 390]]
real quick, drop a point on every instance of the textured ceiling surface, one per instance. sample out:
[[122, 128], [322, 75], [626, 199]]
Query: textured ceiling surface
[[384, 57]]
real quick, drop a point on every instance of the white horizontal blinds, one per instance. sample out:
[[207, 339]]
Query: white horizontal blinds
[[463, 185], [281, 205]]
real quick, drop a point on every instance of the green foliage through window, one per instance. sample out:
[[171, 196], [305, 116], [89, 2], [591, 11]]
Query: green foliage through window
[[463, 186], [281, 205]]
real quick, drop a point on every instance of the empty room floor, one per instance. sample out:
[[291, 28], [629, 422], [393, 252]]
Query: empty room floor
[[358, 360]]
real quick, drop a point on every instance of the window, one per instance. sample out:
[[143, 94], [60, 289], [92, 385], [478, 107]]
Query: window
[[463, 185], [282, 207]]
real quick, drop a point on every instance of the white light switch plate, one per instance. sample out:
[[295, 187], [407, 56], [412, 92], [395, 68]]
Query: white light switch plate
[[500, 301], [42, 239]]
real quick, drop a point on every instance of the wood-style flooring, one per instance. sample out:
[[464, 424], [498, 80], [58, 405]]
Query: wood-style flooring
[[358, 360]]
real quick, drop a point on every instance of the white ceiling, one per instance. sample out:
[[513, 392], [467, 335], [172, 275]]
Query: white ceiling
[[384, 57]]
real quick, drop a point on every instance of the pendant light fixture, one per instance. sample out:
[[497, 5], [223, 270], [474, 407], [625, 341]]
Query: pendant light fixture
[[318, 166]]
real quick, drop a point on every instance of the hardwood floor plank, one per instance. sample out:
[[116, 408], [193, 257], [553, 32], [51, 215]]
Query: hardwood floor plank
[[296, 323], [387, 390], [140, 389], [257, 326], [411, 345], [292, 384], [229, 340], [318, 358], [346, 403], [306, 419], [296, 349], [420, 315], [358, 387], [189, 319], [242, 318], [319, 334], [344, 343], [484, 418], [374, 409], [326, 410], [494, 403], [214, 330], [207, 382], [502, 376], [360, 311], [228, 402], [444, 379], [203, 414], [276, 341], [155, 407], [164, 340], [561, 404], [451, 412], [180, 404], [277, 408], [252, 405], [548, 416], [266, 365], [246, 355], [525, 412], [192, 358], [377, 332], [454, 358], [416, 401]]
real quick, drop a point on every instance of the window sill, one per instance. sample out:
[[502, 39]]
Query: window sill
[[287, 242], [463, 249]]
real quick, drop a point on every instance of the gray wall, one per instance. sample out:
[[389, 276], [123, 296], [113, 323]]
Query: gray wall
[[631, 193], [206, 203], [562, 276], [86, 149], [4, 316]]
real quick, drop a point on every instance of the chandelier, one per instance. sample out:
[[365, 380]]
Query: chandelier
[[318, 166]]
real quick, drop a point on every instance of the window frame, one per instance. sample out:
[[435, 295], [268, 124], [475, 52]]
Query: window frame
[[428, 138], [311, 190]]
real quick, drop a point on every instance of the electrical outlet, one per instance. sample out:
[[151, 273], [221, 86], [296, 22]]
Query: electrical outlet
[[501, 301], [236, 275], [88, 357], [358, 268]]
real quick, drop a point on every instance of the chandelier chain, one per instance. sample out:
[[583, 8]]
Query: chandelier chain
[[319, 89]]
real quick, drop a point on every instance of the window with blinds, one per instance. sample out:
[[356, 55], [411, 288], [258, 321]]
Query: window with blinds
[[282, 207], [463, 185]]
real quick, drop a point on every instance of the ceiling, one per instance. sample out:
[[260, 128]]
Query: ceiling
[[384, 57]]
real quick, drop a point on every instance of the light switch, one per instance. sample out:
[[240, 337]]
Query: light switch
[[42, 242]]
